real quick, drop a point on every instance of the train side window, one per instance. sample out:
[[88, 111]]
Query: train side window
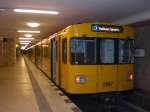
[[107, 51], [56, 50], [45, 52], [132, 50], [64, 51], [42, 51], [38, 51]]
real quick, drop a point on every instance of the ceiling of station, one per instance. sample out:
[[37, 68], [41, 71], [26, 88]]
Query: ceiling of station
[[72, 11]]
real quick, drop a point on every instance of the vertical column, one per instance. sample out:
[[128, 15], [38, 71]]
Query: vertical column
[[7, 52], [1, 51]]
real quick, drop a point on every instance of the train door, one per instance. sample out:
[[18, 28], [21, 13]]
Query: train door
[[57, 64], [41, 57], [53, 58], [63, 63], [107, 69], [125, 66]]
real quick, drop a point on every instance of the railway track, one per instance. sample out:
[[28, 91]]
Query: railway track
[[128, 102]]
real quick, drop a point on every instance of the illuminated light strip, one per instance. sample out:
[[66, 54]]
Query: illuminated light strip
[[23, 47], [24, 42], [31, 47], [27, 31], [33, 24], [2, 9], [26, 38], [36, 11], [28, 35]]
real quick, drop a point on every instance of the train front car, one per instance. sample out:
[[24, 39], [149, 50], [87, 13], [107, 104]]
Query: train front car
[[100, 59]]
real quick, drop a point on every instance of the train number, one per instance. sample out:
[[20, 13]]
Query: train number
[[107, 84]]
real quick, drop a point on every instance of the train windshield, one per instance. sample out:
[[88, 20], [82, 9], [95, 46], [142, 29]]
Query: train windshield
[[92, 51], [83, 51], [107, 51], [126, 51]]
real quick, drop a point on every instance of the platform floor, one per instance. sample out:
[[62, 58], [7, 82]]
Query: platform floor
[[24, 88]]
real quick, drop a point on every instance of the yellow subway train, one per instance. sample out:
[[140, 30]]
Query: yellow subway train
[[88, 58]]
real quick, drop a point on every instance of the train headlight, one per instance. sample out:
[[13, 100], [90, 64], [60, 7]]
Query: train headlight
[[80, 79], [130, 77]]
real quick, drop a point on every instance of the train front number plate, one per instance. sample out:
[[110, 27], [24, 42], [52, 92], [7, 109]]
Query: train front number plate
[[107, 84]]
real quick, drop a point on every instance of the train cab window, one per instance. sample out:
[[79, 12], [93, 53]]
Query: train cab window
[[107, 51], [126, 53], [83, 51], [132, 50], [64, 51]]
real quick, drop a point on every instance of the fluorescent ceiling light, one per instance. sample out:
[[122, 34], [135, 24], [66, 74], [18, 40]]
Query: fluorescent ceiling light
[[27, 31], [25, 41], [28, 35], [23, 48], [26, 38], [36, 11], [2, 9], [33, 24]]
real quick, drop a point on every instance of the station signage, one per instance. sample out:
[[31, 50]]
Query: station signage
[[140, 53], [106, 28]]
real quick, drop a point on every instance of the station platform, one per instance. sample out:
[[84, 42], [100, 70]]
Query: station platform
[[24, 88]]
